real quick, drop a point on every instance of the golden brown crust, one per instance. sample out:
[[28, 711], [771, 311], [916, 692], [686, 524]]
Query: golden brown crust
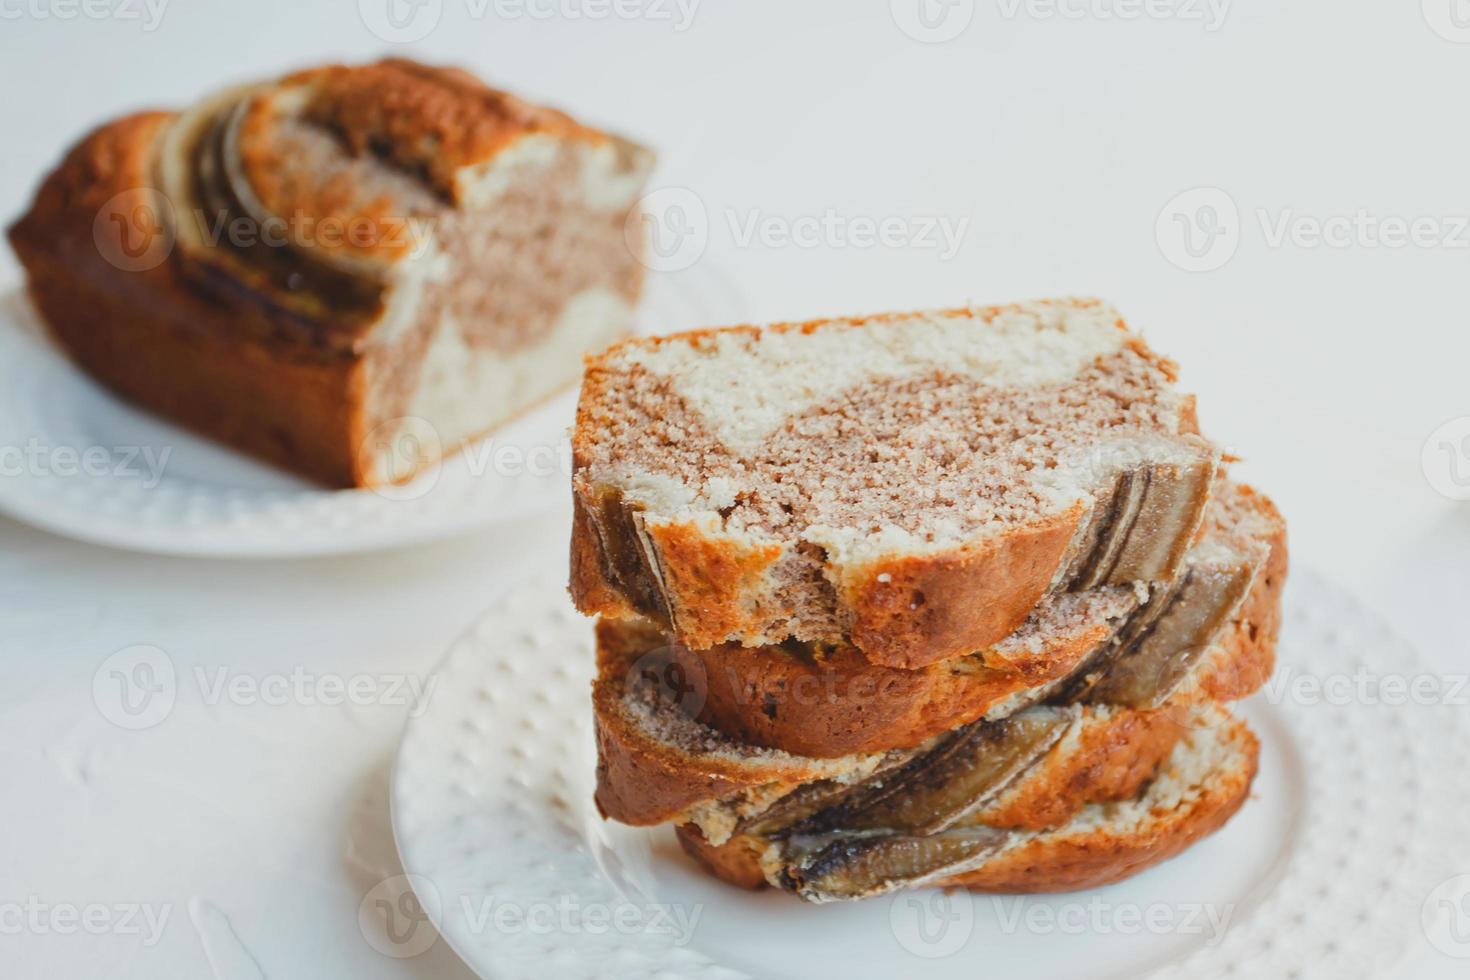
[[1247, 648], [736, 862], [428, 119], [839, 703], [906, 613], [705, 579], [587, 583], [643, 787], [1056, 861], [148, 335], [1110, 762], [640, 781], [914, 611], [430, 122], [1069, 862], [289, 185]]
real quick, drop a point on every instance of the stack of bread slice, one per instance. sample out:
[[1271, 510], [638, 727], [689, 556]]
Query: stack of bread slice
[[956, 598]]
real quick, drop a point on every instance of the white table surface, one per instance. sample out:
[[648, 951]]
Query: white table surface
[[1060, 140]]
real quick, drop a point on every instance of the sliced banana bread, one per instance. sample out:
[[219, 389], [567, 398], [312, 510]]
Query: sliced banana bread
[[911, 483]]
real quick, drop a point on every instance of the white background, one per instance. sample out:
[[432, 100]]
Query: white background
[[1062, 140]]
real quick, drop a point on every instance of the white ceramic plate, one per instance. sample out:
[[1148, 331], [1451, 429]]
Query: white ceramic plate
[[1323, 873], [78, 461]]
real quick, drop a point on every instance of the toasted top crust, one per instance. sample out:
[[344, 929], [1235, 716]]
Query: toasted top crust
[[437, 127], [428, 120], [111, 158]]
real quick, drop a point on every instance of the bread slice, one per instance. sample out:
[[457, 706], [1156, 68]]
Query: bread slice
[[1202, 783], [915, 483], [656, 764], [826, 701], [349, 271]]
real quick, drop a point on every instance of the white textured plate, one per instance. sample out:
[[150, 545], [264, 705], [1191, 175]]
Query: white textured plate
[[78, 461], [1323, 873]]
